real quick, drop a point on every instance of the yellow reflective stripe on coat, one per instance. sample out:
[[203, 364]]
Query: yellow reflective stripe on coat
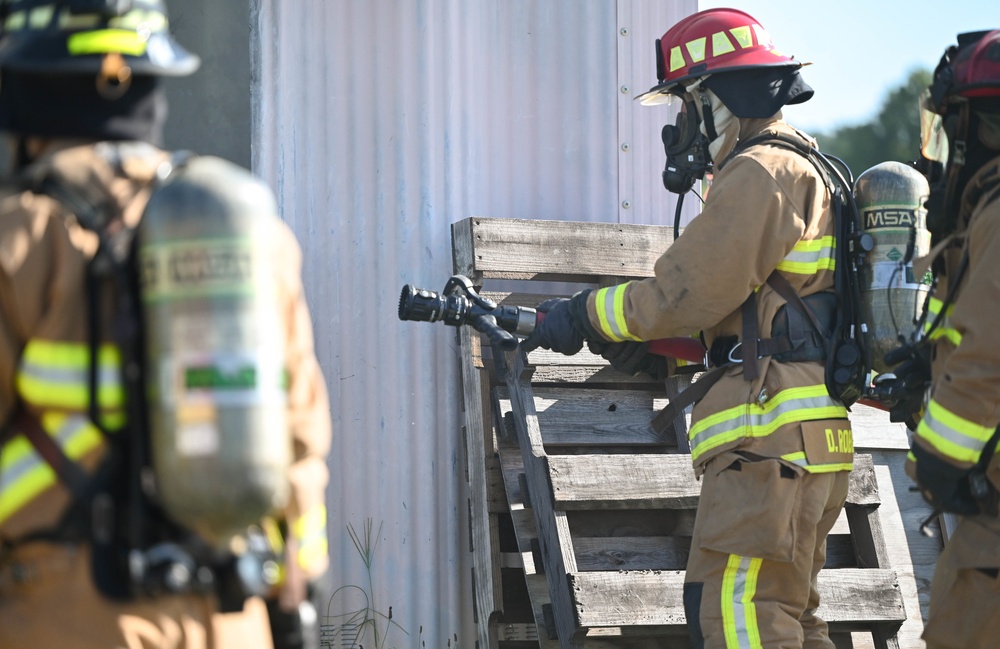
[[944, 329], [808, 403], [310, 531], [739, 613], [808, 257], [610, 305], [952, 435], [56, 375], [24, 474]]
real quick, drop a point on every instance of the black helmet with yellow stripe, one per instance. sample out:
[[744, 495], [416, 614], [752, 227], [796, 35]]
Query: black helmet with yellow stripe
[[90, 37], [87, 69]]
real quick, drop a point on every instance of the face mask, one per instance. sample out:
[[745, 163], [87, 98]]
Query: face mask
[[686, 146]]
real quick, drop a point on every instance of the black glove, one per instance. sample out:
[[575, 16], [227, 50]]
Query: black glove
[[298, 629], [944, 486], [564, 327], [631, 358], [905, 393]]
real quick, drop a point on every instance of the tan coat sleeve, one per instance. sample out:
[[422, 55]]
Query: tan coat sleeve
[[309, 418], [747, 226], [25, 237], [967, 382]]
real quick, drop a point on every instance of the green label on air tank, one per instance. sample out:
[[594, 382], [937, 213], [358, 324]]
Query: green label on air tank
[[210, 377]]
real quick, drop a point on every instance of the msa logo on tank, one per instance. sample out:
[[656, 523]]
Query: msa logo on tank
[[215, 347], [197, 266], [893, 218]]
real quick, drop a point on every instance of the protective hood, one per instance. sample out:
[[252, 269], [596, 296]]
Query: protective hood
[[725, 124], [70, 106], [760, 92]]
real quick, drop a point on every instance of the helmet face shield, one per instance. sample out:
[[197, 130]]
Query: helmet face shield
[[933, 138]]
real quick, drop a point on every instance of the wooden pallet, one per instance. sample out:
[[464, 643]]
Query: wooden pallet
[[612, 529], [581, 516]]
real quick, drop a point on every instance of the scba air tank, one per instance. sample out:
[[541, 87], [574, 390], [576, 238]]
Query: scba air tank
[[891, 197], [215, 348]]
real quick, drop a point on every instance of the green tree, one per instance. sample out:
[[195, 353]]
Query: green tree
[[894, 134]]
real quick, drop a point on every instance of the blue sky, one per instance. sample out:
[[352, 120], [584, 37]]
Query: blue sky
[[861, 49]]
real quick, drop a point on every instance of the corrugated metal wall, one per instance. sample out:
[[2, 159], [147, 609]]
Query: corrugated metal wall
[[379, 123]]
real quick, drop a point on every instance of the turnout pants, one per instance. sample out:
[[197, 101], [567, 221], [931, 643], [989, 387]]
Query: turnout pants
[[965, 592], [759, 542], [47, 599]]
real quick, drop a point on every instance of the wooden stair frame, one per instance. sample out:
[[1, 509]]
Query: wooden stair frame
[[593, 591]]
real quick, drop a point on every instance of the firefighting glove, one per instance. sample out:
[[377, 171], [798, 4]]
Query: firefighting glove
[[564, 327], [943, 485], [905, 393], [632, 358], [297, 629]]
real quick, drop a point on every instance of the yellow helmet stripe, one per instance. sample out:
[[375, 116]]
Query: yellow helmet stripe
[[763, 38], [41, 17], [721, 44], [140, 19], [69, 20], [742, 36], [106, 41], [676, 59], [696, 49]]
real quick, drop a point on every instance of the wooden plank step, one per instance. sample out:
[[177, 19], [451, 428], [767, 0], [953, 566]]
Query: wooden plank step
[[595, 553], [849, 596], [573, 251], [656, 482], [610, 555], [576, 417]]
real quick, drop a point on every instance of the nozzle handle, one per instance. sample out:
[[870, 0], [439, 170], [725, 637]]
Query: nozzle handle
[[487, 324]]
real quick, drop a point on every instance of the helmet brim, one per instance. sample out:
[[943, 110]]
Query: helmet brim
[[660, 93]]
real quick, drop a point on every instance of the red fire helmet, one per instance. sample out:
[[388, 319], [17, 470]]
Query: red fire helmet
[[709, 42]]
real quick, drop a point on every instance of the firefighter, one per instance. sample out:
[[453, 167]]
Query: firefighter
[[953, 452], [772, 447], [82, 107]]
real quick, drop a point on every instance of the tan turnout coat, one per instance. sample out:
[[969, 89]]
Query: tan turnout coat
[[47, 598]]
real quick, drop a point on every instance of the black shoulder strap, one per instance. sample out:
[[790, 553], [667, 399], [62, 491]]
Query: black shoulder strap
[[845, 380]]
